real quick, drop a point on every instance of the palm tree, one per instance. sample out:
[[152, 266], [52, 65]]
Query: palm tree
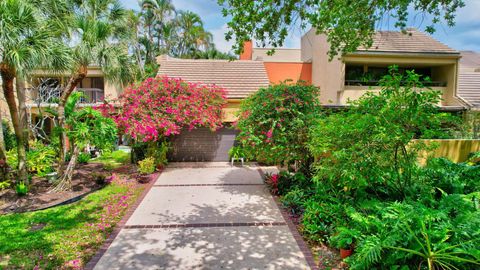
[[99, 32], [157, 14], [192, 34], [28, 40]]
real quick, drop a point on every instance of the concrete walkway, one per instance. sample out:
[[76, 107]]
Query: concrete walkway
[[205, 217]]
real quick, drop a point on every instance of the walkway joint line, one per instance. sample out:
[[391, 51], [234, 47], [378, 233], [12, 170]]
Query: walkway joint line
[[209, 225], [206, 185]]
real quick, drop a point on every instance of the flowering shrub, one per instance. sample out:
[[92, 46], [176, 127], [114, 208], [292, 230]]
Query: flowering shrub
[[274, 122], [162, 106]]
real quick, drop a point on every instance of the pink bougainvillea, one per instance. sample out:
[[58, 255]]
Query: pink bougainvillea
[[163, 106]]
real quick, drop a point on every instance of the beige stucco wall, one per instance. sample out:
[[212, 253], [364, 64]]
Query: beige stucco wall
[[328, 75], [455, 150], [280, 55], [230, 111]]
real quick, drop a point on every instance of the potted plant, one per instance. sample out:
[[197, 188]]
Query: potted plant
[[344, 241], [145, 167]]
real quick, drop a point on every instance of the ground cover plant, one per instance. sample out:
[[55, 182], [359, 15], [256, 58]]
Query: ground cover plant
[[65, 237]]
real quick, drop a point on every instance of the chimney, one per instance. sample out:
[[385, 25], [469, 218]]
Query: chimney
[[247, 50]]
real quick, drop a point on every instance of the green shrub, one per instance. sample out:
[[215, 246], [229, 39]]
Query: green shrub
[[99, 178], [83, 158], [5, 184], [40, 158], [21, 189], [321, 218], [146, 166], [366, 150], [294, 200], [158, 150], [274, 123], [236, 152]]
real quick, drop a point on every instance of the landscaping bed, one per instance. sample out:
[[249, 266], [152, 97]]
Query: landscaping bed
[[67, 236], [39, 197]]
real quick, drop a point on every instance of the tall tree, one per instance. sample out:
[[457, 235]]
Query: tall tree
[[28, 40], [156, 14], [348, 24], [99, 32]]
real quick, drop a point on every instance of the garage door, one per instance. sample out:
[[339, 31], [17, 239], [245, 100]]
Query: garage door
[[202, 144]]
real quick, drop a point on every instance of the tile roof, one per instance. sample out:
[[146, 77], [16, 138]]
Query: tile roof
[[240, 78], [469, 87], [412, 41], [470, 59], [469, 78]]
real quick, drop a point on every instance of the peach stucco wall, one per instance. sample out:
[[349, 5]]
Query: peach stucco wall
[[278, 72]]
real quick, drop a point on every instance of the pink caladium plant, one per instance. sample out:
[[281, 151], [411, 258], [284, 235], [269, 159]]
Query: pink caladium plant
[[163, 106]]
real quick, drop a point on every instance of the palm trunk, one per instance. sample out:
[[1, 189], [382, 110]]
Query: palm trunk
[[3, 155], [8, 77], [22, 113], [65, 182], [74, 80]]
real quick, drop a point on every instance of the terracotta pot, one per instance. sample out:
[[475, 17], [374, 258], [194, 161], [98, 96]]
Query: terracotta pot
[[143, 179], [344, 253]]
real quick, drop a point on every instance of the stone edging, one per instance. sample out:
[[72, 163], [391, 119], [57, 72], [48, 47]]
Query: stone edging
[[119, 226], [307, 253], [207, 225]]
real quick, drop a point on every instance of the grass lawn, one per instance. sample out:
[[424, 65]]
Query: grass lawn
[[114, 159], [66, 236]]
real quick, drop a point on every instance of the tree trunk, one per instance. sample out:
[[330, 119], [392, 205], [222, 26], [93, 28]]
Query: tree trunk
[[74, 80], [22, 112], [65, 182], [8, 77]]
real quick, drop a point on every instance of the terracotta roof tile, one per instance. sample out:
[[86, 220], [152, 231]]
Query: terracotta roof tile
[[469, 87], [239, 78], [469, 78], [470, 59], [412, 41]]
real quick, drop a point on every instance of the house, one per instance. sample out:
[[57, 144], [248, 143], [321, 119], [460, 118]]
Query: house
[[44, 88], [340, 80]]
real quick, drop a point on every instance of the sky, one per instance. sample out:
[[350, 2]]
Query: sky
[[465, 35]]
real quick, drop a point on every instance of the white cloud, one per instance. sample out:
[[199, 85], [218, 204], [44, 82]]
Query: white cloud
[[219, 39]]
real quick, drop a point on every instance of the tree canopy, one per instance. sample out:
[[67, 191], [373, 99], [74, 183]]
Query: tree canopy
[[347, 24]]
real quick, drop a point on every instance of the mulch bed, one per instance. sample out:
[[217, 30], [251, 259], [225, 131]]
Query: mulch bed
[[39, 197]]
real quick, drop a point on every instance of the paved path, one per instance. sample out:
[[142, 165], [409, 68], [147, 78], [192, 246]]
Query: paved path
[[211, 217]]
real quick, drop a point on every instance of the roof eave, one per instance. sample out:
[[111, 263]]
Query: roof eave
[[406, 54]]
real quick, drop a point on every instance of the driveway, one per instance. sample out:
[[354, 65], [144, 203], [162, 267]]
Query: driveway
[[205, 216]]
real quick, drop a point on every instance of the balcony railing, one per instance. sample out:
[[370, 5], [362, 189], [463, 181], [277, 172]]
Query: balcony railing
[[376, 83], [52, 95]]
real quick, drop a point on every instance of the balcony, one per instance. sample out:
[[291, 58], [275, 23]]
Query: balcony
[[47, 95]]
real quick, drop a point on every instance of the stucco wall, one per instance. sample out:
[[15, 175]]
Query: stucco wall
[[280, 55], [230, 111], [278, 72], [328, 75], [455, 150]]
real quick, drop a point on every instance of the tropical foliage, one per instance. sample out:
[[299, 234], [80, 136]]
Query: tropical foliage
[[274, 122], [162, 106], [369, 193], [347, 24]]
